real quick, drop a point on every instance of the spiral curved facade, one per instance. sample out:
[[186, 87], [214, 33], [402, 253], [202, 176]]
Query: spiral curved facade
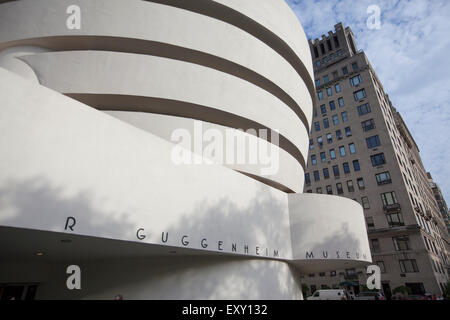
[[91, 95]]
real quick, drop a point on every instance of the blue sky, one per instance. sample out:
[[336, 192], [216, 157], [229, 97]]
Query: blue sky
[[411, 55]]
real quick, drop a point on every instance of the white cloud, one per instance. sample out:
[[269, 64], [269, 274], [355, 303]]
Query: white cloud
[[411, 55]]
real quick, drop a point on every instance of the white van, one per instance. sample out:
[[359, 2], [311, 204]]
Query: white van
[[332, 294]]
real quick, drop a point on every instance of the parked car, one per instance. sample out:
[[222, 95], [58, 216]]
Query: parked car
[[331, 294], [370, 296]]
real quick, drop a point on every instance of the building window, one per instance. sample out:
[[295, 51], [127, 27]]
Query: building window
[[332, 105], [350, 186], [335, 120], [339, 135], [323, 109], [356, 80], [346, 167], [370, 223], [383, 178], [359, 95], [311, 144], [382, 266], [355, 66], [335, 74], [320, 141], [356, 166], [309, 191], [341, 102], [339, 188], [318, 63], [344, 71], [373, 142], [378, 160], [326, 173], [375, 245], [326, 123], [395, 219], [337, 88], [329, 138], [316, 176], [317, 126], [352, 148], [317, 82], [326, 79], [336, 171], [365, 202], [329, 190], [307, 179], [320, 95], [329, 92], [319, 190], [389, 198], [364, 109], [323, 157], [342, 151], [408, 266], [313, 159], [368, 125], [332, 154], [361, 184], [401, 243], [348, 131], [344, 116]]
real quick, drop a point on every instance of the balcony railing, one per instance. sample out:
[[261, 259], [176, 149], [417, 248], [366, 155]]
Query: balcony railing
[[392, 208]]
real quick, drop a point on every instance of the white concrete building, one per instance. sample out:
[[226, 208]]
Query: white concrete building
[[97, 102]]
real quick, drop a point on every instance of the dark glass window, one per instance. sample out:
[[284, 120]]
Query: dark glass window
[[329, 138], [368, 125], [339, 188], [317, 126], [348, 131], [364, 109], [356, 165], [378, 160], [332, 105], [356, 80], [307, 178], [326, 123], [350, 186], [346, 167], [336, 171], [335, 120], [332, 154], [383, 178], [341, 102], [359, 95], [326, 173], [320, 95], [316, 176], [388, 198], [373, 142], [339, 134]]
